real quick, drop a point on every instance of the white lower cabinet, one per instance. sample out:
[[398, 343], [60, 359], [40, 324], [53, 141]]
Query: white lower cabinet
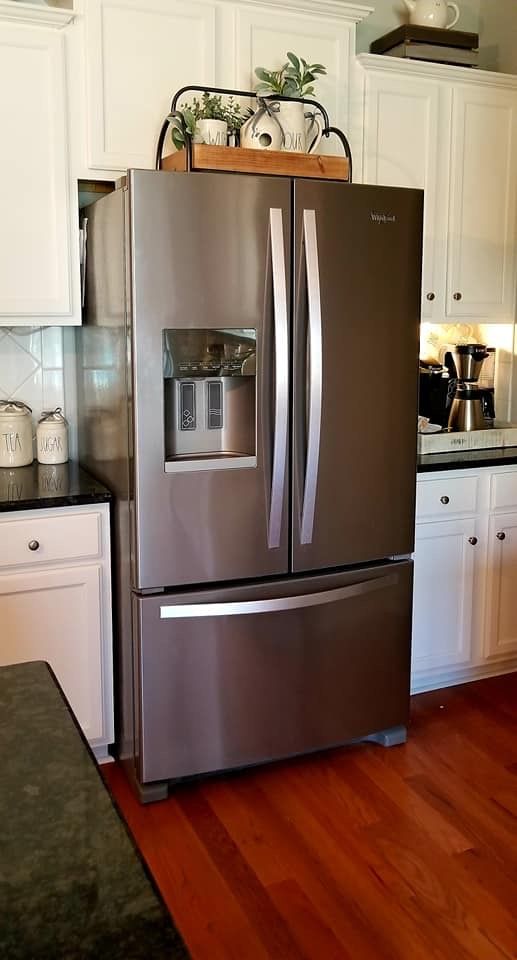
[[501, 612], [465, 589], [59, 610], [443, 593]]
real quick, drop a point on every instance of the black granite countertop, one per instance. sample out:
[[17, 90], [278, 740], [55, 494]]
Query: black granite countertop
[[72, 884], [46, 485], [461, 459]]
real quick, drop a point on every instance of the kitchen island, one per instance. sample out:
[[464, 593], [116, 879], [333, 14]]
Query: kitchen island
[[73, 884]]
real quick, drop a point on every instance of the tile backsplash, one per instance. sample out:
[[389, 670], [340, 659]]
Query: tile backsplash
[[31, 367]]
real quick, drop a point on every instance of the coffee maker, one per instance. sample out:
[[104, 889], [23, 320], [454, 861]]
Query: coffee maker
[[466, 411], [434, 400]]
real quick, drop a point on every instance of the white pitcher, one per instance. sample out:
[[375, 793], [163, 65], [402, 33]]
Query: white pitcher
[[432, 13]]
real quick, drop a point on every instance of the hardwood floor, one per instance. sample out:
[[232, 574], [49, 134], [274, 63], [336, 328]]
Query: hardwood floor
[[361, 853]]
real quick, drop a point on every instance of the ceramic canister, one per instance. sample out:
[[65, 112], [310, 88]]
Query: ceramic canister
[[52, 437], [15, 434]]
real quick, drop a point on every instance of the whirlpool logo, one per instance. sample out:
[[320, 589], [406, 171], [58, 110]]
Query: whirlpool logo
[[382, 217]]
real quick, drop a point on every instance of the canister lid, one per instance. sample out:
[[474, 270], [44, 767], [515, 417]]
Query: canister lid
[[15, 408], [53, 416]]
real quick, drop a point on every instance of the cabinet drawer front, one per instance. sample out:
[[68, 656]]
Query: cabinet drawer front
[[503, 491], [50, 538], [449, 497]]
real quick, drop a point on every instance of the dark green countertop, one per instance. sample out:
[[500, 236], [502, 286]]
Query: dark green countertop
[[72, 885], [462, 459], [45, 485]]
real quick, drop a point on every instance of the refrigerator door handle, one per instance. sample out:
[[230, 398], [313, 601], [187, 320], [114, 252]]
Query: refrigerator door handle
[[315, 377], [243, 607], [281, 377]]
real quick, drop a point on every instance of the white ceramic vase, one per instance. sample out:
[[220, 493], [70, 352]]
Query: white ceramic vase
[[302, 127], [213, 132]]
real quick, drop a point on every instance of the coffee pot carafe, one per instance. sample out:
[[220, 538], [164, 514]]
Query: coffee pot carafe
[[466, 411]]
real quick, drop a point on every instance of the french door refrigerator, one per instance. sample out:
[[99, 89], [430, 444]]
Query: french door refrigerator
[[248, 388]]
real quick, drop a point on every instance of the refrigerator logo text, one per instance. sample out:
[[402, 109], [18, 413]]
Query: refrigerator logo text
[[382, 217]]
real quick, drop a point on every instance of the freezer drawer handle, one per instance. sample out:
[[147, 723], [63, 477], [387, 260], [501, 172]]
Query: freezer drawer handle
[[315, 350], [242, 608], [281, 377]]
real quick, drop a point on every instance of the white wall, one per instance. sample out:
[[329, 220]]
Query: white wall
[[498, 35], [391, 13]]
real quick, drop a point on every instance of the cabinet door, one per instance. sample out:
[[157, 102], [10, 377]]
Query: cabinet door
[[402, 149], [501, 615], [443, 593], [263, 37], [481, 235], [139, 52], [35, 264], [55, 615]]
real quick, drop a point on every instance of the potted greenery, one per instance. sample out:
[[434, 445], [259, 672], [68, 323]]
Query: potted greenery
[[294, 79], [301, 128], [207, 120]]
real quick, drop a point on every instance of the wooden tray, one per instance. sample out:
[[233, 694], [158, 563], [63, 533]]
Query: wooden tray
[[275, 162]]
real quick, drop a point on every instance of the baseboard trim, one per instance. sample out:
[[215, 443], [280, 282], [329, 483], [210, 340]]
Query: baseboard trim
[[421, 683]]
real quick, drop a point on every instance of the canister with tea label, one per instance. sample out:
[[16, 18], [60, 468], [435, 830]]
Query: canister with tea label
[[15, 434], [52, 437]]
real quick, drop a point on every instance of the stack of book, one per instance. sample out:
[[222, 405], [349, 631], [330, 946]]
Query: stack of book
[[430, 43]]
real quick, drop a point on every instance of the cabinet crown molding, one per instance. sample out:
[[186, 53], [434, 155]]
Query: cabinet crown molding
[[37, 15], [437, 71], [351, 12]]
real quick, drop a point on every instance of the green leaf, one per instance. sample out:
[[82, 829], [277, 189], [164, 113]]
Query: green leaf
[[294, 60], [262, 74], [177, 138]]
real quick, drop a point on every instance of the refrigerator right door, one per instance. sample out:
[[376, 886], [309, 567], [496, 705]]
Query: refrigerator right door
[[357, 269]]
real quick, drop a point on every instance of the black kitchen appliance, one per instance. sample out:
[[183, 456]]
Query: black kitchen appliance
[[434, 392]]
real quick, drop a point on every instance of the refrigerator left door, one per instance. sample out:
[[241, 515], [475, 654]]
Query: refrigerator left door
[[210, 348]]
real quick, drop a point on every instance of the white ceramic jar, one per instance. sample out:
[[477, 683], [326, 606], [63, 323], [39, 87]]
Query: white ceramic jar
[[15, 434], [52, 437]]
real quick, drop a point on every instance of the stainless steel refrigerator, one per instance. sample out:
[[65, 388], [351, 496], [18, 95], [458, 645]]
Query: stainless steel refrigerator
[[248, 388]]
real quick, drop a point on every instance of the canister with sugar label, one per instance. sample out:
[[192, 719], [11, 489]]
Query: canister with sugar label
[[52, 437]]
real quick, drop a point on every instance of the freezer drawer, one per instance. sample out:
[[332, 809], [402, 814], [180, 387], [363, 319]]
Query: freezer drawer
[[254, 673]]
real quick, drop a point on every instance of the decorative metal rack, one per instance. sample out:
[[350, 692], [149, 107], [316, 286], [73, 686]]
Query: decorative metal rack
[[327, 131]]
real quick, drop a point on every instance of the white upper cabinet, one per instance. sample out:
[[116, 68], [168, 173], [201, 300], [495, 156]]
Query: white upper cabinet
[[264, 35], [39, 266], [138, 53], [402, 149], [452, 132], [481, 248]]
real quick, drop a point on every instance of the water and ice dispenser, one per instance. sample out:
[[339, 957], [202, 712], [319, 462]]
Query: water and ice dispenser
[[209, 396]]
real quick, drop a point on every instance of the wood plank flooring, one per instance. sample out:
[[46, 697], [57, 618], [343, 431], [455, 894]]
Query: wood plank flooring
[[358, 854]]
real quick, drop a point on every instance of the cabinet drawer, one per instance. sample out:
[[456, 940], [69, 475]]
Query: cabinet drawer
[[443, 498], [51, 538], [503, 491]]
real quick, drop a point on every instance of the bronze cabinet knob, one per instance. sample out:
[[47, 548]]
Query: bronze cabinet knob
[[473, 541]]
